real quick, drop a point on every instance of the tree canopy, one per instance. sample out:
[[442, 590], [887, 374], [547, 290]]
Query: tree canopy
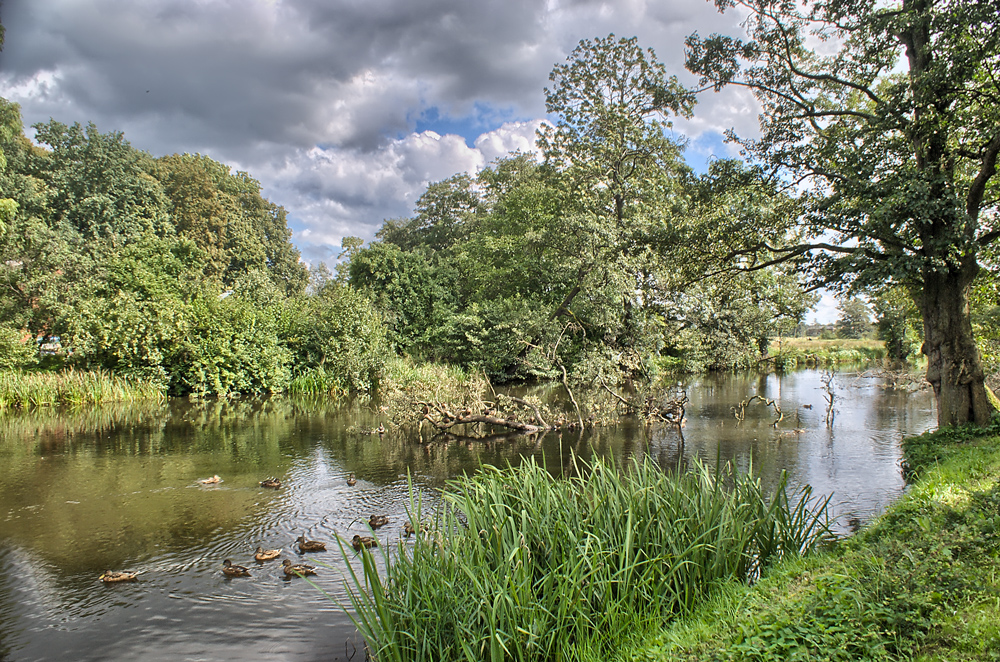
[[173, 269], [884, 118]]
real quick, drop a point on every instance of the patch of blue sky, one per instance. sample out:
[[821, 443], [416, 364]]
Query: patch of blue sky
[[483, 118], [707, 147]]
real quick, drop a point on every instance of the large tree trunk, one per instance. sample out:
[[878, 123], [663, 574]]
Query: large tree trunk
[[954, 366]]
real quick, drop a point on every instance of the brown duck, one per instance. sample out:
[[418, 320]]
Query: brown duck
[[375, 521], [297, 569], [230, 570], [363, 541], [262, 554], [110, 576], [310, 545]]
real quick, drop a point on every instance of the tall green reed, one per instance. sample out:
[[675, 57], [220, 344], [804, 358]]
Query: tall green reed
[[524, 566], [19, 389]]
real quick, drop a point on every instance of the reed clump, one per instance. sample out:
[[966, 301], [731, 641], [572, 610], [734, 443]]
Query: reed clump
[[25, 390], [524, 566]]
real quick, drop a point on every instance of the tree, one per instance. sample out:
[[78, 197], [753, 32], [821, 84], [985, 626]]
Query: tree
[[887, 116], [855, 320], [620, 170]]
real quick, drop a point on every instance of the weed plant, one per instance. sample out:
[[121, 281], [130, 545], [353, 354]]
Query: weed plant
[[524, 566], [39, 389]]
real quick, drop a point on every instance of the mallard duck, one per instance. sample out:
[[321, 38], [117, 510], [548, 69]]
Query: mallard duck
[[351, 480], [266, 554], [230, 570], [409, 530], [375, 521], [297, 569], [363, 541], [211, 481], [310, 545], [110, 576], [273, 483]]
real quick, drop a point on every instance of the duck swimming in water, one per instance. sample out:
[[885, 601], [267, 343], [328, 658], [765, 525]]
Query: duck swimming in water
[[262, 554], [310, 545], [363, 541], [273, 483], [110, 576], [230, 570], [297, 569], [375, 521]]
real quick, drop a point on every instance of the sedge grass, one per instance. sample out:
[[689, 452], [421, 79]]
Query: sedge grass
[[524, 566], [28, 390]]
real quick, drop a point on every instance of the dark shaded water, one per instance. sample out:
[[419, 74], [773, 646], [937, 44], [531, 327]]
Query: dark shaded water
[[117, 488]]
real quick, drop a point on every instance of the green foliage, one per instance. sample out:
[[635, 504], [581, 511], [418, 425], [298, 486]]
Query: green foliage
[[854, 321], [174, 271], [40, 389], [521, 565], [898, 323], [920, 583], [337, 339], [874, 107]]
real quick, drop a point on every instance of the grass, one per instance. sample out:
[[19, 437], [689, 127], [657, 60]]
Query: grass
[[524, 566], [19, 389], [921, 583], [815, 352], [407, 381]]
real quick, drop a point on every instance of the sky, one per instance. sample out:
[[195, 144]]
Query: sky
[[344, 110]]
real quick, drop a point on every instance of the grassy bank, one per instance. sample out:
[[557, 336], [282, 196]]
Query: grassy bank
[[788, 353], [921, 583], [19, 389], [525, 566]]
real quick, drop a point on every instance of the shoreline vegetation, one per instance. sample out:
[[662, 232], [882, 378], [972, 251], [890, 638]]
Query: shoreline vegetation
[[27, 390], [521, 565], [400, 382], [645, 565], [920, 582]]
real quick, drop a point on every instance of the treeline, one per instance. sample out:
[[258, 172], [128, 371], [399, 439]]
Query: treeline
[[591, 259], [171, 269]]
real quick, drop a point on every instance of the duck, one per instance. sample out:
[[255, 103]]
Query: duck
[[310, 545], [111, 576], [375, 521], [262, 554], [296, 569], [273, 483], [230, 570], [363, 541], [408, 529], [380, 429], [351, 480], [211, 481]]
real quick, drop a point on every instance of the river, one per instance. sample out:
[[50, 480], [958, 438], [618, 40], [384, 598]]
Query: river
[[91, 489]]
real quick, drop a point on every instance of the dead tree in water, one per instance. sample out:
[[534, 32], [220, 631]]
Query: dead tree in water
[[740, 410], [663, 407]]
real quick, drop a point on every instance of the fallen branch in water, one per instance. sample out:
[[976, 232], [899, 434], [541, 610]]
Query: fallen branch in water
[[739, 411]]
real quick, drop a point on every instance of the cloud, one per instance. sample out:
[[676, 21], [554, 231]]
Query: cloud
[[343, 109]]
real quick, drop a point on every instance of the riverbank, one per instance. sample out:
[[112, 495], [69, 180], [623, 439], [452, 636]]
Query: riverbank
[[789, 353], [25, 390], [920, 582]]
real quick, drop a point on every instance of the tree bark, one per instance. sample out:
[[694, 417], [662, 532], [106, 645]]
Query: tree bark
[[954, 366]]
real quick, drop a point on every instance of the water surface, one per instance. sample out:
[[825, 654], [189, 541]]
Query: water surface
[[117, 488]]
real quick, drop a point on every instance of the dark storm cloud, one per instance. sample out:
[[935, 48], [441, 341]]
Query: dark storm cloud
[[285, 74]]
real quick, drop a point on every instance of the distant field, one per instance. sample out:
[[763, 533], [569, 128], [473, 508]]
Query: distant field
[[817, 344], [788, 352]]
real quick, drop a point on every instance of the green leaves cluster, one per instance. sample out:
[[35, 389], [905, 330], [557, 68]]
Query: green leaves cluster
[[172, 269], [591, 258]]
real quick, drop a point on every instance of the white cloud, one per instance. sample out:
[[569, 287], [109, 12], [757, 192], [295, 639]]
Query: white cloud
[[320, 99]]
